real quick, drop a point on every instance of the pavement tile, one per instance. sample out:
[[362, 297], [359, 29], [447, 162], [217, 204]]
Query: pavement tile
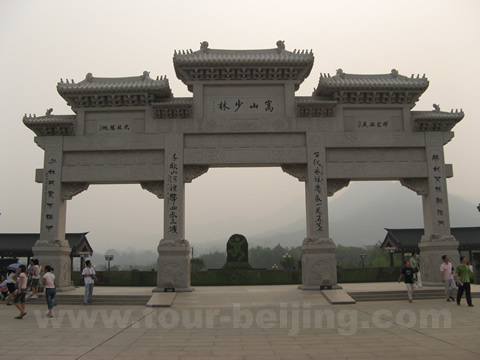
[[311, 328]]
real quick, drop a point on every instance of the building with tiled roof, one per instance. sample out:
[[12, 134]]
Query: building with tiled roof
[[407, 240], [19, 245]]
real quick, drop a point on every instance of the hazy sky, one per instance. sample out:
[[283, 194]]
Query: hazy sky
[[44, 41]]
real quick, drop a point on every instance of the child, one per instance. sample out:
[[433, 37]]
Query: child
[[3, 287], [409, 273]]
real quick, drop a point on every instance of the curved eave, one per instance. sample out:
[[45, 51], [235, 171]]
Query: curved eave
[[435, 120], [327, 86], [50, 125], [241, 59]]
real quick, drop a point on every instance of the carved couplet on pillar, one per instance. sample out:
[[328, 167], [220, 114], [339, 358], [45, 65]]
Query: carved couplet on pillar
[[316, 188], [435, 203], [174, 192], [53, 206]]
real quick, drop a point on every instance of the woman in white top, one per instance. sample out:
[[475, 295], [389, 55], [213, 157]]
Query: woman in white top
[[49, 284]]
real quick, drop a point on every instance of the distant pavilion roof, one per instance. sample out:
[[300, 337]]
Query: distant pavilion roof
[[21, 244], [371, 89], [243, 65], [406, 240]]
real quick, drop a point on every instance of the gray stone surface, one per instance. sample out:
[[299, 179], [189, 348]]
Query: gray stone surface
[[247, 323]]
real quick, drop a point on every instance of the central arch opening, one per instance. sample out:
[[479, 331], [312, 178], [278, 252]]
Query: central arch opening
[[253, 201]]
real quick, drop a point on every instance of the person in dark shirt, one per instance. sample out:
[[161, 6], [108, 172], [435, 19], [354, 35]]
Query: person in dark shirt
[[408, 272]]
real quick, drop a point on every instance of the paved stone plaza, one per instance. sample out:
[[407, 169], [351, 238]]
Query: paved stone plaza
[[246, 323]]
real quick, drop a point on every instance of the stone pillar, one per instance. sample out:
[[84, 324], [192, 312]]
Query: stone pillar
[[437, 240], [319, 265], [52, 248], [173, 265]]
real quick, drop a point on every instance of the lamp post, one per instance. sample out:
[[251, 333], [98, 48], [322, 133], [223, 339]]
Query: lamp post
[[363, 256], [108, 258]]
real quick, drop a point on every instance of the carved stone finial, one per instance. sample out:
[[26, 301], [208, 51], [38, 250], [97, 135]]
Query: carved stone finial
[[394, 73], [280, 46], [436, 107], [340, 73], [145, 75], [49, 112], [89, 77], [204, 46]]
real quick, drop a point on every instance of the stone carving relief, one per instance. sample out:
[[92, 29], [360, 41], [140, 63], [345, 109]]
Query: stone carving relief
[[173, 243], [155, 187], [318, 241], [172, 274], [418, 185], [191, 172], [333, 185], [298, 171], [437, 238], [52, 243], [321, 269], [72, 189]]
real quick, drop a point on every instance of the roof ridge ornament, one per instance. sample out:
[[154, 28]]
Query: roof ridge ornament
[[49, 112], [280, 46], [394, 73], [89, 77], [145, 75], [204, 47], [436, 108], [339, 73]]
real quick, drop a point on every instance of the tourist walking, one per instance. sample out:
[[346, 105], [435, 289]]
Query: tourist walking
[[49, 284], [415, 260], [89, 278], [408, 272], [11, 281], [21, 292], [446, 270], [463, 276], [35, 279]]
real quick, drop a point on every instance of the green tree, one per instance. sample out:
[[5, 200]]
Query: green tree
[[197, 264]]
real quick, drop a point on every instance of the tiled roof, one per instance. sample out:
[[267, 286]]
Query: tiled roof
[[436, 120], [243, 65], [48, 125], [135, 84], [21, 244], [327, 85], [468, 237], [243, 57]]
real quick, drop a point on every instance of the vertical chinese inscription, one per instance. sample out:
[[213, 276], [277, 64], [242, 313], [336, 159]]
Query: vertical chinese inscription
[[172, 189], [439, 180], [51, 193], [318, 189]]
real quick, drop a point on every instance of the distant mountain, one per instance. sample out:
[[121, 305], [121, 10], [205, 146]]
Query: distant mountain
[[358, 216]]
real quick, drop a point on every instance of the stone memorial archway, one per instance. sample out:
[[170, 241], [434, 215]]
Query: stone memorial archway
[[244, 112]]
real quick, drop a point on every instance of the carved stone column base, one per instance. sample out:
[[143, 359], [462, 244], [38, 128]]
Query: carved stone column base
[[173, 266], [432, 248], [56, 253], [319, 265]]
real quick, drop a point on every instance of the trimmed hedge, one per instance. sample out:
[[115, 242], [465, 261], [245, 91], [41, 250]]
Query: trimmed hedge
[[240, 277]]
